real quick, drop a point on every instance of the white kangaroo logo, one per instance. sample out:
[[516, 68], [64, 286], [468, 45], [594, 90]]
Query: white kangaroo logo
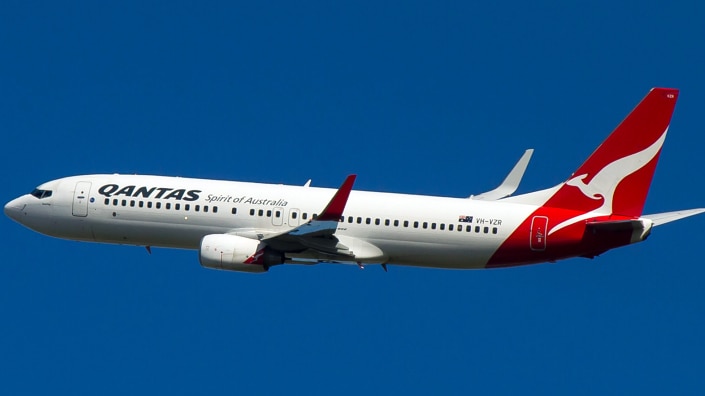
[[605, 182]]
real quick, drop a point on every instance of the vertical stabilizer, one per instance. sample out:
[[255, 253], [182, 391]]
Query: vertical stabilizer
[[599, 207], [616, 177]]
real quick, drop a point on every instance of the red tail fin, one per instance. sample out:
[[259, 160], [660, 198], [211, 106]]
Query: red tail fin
[[576, 218], [616, 177]]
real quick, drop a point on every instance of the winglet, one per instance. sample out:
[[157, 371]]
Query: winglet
[[510, 183], [336, 206]]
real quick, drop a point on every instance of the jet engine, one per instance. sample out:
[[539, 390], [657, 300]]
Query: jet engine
[[235, 253]]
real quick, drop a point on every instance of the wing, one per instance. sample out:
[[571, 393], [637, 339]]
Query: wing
[[318, 234]]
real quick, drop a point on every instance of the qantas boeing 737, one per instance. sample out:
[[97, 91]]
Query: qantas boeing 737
[[251, 227]]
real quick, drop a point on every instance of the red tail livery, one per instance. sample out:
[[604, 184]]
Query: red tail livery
[[599, 206]]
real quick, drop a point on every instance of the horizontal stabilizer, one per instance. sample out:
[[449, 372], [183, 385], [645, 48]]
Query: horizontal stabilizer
[[663, 218], [510, 183]]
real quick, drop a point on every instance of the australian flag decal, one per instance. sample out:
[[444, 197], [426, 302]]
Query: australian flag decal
[[465, 219]]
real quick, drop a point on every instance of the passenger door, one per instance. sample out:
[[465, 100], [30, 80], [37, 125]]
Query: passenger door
[[80, 199], [539, 225]]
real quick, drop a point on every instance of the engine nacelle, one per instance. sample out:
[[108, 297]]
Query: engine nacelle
[[234, 253]]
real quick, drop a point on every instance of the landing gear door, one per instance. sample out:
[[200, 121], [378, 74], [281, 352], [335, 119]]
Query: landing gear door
[[537, 240], [80, 199]]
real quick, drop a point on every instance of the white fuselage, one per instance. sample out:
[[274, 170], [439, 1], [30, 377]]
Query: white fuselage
[[179, 212]]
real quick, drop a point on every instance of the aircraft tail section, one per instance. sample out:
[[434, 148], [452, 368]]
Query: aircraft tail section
[[599, 207], [616, 178]]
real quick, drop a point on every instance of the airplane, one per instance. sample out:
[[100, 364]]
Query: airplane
[[251, 227]]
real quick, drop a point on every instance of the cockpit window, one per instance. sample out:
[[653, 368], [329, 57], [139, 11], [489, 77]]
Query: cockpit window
[[41, 193]]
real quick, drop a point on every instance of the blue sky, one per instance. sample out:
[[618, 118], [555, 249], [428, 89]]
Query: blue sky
[[414, 97]]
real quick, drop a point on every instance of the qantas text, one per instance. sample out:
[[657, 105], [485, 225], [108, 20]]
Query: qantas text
[[110, 190]]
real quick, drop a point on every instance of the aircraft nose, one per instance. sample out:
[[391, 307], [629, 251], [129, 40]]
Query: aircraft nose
[[13, 209]]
